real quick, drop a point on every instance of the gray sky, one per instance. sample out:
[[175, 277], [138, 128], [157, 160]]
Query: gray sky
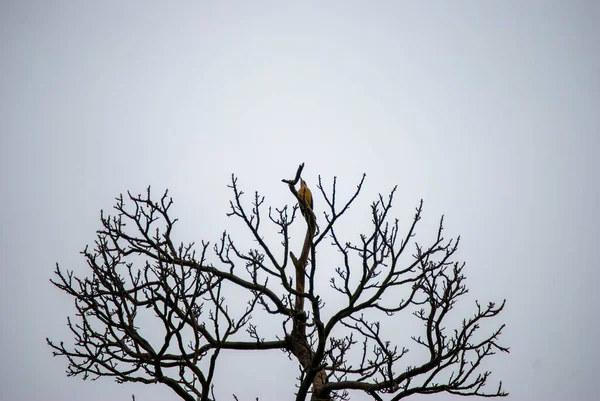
[[490, 111]]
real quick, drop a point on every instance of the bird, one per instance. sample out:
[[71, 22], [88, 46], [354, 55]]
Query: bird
[[305, 195]]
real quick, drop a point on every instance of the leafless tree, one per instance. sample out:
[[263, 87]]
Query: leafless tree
[[136, 267]]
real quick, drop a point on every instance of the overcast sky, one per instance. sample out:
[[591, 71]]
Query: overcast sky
[[489, 111]]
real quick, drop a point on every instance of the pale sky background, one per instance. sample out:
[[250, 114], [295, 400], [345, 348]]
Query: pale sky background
[[490, 111]]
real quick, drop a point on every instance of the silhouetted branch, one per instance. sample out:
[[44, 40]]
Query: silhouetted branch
[[153, 310]]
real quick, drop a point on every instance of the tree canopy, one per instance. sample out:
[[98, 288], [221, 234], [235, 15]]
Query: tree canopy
[[137, 267]]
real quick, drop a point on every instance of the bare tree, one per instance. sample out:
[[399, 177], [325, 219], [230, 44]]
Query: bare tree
[[137, 267]]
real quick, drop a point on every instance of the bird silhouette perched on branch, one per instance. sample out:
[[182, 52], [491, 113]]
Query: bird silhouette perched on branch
[[306, 196]]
